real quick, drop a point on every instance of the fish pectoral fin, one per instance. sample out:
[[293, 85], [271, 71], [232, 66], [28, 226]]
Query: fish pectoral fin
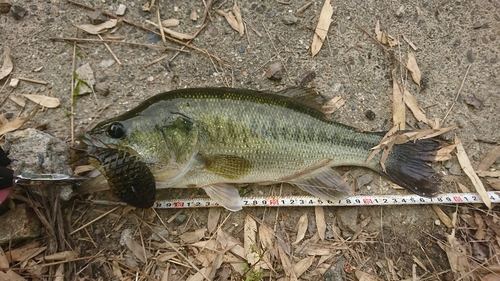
[[226, 195], [324, 183], [227, 166]]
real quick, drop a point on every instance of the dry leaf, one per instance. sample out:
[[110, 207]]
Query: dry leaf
[[443, 217], [413, 67], [4, 262], [494, 183], [325, 18], [412, 104], [444, 153], [302, 266], [213, 218], [492, 174], [301, 229], [398, 104], [193, 16], [7, 65], [231, 19], [193, 236], [59, 273], [24, 253], [320, 221], [266, 238], [487, 161], [250, 240], [363, 276], [410, 43], [170, 22], [463, 159], [457, 255], [17, 122], [99, 28], [239, 19], [383, 37], [173, 33], [332, 105], [83, 169], [11, 276], [44, 101], [19, 101], [136, 248], [286, 264]]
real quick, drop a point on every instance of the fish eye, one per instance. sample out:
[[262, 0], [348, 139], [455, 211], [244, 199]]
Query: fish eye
[[116, 130]]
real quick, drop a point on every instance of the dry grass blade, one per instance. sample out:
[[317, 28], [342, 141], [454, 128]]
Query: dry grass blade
[[325, 18], [173, 33], [44, 101], [464, 161], [7, 65], [413, 67]]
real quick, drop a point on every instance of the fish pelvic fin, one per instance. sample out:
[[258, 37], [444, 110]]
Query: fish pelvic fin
[[409, 166], [324, 183], [225, 195]]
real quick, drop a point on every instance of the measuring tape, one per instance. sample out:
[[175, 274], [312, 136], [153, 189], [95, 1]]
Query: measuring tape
[[302, 201]]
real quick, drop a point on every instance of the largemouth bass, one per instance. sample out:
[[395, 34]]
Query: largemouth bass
[[213, 138]]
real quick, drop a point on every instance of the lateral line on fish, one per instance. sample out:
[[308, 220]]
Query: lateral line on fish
[[309, 201]]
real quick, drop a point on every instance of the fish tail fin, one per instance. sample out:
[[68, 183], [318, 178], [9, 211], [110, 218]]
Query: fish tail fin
[[409, 166]]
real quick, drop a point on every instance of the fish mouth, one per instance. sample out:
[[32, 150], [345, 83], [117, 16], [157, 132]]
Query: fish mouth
[[90, 140]]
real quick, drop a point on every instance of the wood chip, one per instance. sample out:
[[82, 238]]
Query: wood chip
[[7, 65], [487, 161], [325, 19], [44, 101], [320, 221], [464, 161], [301, 229], [413, 67]]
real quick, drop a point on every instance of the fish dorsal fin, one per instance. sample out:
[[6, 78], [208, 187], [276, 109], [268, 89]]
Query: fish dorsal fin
[[227, 166], [324, 183], [225, 195], [307, 96]]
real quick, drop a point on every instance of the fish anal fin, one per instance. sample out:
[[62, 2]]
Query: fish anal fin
[[225, 195], [227, 166], [324, 183]]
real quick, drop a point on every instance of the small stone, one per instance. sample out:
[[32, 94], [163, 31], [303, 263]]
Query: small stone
[[342, 28], [14, 82], [289, 19], [437, 222], [470, 56], [5, 6], [106, 63], [150, 79], [96, 17], [18, 224], [180, 218], [348, 219], [121, 10], [455, 169], [400, 12], [272, 14], [477, 25], [370, 114], [152, 38], [102, 89], [274, 71], [18, 12], [86, 74], [492, 37], [241, 49], [358, 2], [363, 180], [161, 231], [212, 30], [457, 42]]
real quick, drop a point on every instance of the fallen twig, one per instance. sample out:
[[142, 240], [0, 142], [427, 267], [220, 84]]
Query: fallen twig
[[32, 80], [116, 41], [458, 94]]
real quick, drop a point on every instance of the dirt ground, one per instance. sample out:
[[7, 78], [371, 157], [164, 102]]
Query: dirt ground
[[457, 52]]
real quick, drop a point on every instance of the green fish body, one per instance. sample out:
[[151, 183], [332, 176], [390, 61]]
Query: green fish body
[[212, 138]]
